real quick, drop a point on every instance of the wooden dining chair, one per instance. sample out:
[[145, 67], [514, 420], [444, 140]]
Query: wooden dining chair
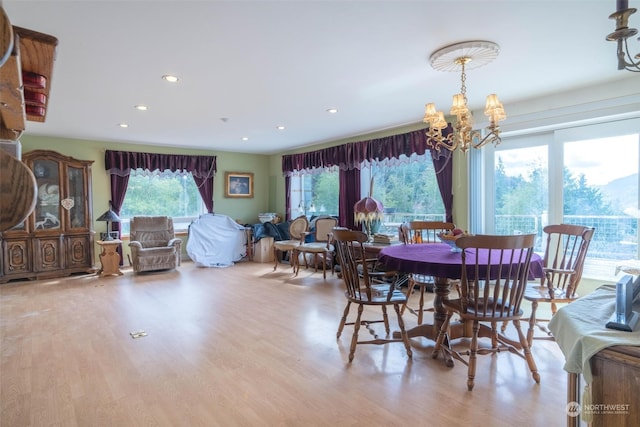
[[297, 229], [421, 232], [564, 256], [365, 288], [322, 246], [493, 280]]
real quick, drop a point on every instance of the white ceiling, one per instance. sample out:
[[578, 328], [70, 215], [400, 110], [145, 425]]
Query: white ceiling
[[261, 64]]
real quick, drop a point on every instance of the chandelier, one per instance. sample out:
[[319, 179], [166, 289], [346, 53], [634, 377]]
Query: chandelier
[[460, 57], [622, 34]]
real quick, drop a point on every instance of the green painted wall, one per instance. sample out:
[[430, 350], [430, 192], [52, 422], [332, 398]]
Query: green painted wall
[[244, 210]]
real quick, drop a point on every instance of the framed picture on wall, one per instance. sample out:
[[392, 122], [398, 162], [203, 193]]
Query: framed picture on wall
[[238, 184]]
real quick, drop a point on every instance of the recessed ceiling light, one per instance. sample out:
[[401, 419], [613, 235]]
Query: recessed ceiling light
[[280, 127], [141, 107], [244, 138], [170, 78], [332, 110], [123, 125]]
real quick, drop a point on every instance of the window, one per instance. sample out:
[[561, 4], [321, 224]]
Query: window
[[315, 194], [601, 190], [167, 193], [586, 175], [408, 190], [521, 191]]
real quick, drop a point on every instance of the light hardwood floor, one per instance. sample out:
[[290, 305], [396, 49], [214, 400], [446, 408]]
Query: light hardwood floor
[[238, 346]]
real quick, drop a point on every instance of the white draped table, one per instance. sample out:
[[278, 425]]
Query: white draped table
[[579, 329]]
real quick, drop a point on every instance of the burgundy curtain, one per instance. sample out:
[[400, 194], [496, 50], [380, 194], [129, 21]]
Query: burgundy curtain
[[349, 157], [205, 187], [119, 186], [203, 169], [443, 164], [287, 198], [121, 163], [349, 195]]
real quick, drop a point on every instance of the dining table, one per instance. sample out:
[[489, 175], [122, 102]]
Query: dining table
[[444, 264]]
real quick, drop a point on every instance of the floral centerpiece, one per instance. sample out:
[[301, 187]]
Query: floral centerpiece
[[450, 237]]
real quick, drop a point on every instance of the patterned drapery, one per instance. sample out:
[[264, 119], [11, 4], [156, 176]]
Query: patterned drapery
[[386, 151]]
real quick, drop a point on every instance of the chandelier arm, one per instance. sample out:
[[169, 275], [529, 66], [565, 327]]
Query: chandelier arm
[[621, 34], [436, 141], [630, 62], [492, 137]]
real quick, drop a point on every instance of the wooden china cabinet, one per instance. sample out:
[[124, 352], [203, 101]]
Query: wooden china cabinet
[[57, 238]]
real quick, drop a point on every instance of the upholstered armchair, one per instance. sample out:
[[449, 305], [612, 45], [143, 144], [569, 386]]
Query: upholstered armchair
[[153, 244]]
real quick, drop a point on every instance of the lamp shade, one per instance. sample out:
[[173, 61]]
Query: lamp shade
[[367, 210], [109, 216]]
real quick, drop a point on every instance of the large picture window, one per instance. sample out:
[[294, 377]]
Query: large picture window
[[172, 194], [408, 190], [162, 185], [584, 175]]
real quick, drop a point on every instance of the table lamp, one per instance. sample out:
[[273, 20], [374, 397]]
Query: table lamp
[[369, 212], [109, 216]]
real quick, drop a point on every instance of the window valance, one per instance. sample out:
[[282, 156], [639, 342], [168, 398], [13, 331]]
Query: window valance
[[120, 163], [357, 154]]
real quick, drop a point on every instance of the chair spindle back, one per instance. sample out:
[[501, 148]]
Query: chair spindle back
[[494, 274], [423, 231], [564, 256]]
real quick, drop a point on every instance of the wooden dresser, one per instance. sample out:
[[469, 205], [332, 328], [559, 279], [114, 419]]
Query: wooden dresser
[[616, 382]]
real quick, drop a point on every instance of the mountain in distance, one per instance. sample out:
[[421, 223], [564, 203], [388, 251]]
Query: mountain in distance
[[622, 192]]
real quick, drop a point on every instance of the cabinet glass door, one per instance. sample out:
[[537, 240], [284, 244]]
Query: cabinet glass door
[[75, 200], [47, 211]]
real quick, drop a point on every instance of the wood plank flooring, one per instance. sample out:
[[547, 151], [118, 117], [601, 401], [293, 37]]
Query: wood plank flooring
[[238, 346]]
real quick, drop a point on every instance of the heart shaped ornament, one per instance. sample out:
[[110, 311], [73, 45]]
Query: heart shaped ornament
[[67, 203]]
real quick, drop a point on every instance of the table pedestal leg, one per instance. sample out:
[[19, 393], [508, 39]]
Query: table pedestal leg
[[430, 331]]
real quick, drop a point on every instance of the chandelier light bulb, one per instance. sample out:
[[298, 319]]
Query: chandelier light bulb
[[459, 105], [430, 112], [494, 109], [439, 123]]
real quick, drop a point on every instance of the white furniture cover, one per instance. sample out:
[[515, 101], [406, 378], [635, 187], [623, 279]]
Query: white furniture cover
[[216, 241]]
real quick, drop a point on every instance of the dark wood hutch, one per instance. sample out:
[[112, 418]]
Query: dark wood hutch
[[57, 238]]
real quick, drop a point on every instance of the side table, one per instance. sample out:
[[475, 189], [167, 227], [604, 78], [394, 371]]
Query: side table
[[109, 258]]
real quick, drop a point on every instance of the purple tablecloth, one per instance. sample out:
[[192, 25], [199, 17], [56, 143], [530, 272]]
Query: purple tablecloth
[[436, 259]]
